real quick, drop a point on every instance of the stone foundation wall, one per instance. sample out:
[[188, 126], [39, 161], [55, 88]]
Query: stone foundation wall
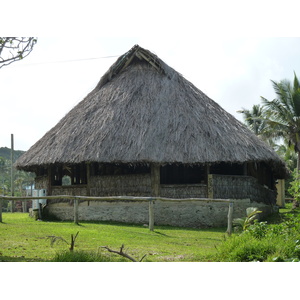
[[195, 214]]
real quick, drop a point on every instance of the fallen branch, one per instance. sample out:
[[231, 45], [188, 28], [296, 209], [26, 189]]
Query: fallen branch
[[122, 253]]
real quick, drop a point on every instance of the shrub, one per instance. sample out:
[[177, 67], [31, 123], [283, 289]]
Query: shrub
[[244, 248], [81, 256], [263, 242]]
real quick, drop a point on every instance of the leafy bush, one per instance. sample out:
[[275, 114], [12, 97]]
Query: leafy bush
[[263, 242], [245, 222]]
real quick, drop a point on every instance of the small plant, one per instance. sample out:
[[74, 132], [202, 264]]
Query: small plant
[[258, 229], [55, 239], [245, 222]]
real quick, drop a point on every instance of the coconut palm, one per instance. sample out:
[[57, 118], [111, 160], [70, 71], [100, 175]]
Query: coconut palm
[[254, 119], [283, 113]]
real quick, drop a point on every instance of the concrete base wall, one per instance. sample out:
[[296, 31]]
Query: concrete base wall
[[195, 214]]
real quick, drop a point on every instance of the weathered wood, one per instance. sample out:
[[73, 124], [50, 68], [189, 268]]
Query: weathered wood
[[210, 191], [151, 215], [88, 179], [122, 253], [155, 180], [12, 181], [49, 183], [230, 218], [76, 204], [114, 198], [1, 201], [155, 191]]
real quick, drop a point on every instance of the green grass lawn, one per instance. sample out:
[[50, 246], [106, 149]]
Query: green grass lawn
[[24, 239]]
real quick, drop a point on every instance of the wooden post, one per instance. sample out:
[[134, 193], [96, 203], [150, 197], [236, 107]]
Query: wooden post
[[210, 189], [151, 215], [88, 178], [76, 211], [1, 201], [230, 218], [155, 191], [12, 182]]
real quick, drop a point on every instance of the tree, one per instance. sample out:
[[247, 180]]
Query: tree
[[15, 48], [255, 120], [282, 114]]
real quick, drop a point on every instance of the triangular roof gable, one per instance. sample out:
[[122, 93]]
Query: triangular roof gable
[[124, 61]]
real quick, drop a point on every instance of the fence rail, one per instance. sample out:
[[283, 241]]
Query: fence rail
[[151, 201]]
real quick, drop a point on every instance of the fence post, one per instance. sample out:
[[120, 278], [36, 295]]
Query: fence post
[[1, 201], [151, 215], [230, 218], [76, 211]]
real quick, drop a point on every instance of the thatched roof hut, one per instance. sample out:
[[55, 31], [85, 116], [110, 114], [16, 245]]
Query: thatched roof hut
[[141, 112]]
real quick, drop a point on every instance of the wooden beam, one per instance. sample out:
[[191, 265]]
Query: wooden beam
[[116, 198]]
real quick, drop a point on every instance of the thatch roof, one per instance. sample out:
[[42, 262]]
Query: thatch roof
[[143, 111]]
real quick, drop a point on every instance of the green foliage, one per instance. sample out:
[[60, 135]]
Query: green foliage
[[82, 256], [294, 188], [283, 113], [245, 222], [264, 242], [21, 178]]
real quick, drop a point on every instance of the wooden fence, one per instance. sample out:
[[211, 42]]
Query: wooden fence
[[151, 201]]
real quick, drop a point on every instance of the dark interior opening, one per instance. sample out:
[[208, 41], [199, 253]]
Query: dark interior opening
[[181, 174]]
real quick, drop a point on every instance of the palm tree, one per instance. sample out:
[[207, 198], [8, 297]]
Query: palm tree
[[255, 120], [283, 113]]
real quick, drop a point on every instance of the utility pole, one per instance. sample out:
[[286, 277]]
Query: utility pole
[[12, 186]]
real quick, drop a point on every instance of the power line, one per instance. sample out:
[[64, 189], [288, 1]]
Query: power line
[[67, 61]]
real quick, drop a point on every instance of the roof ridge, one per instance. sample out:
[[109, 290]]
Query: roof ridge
[[124, 61]]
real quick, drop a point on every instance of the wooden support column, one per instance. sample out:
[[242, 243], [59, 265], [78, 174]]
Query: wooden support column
[[210, 189], [88, 176], [1, 201], [155, 192], [49, 192], [76, 203], [230, 218]]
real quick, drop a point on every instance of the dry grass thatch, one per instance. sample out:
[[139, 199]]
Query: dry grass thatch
[[143, 111]]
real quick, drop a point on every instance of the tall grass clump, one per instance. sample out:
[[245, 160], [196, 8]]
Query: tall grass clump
[[264, 242], [84, 256]]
